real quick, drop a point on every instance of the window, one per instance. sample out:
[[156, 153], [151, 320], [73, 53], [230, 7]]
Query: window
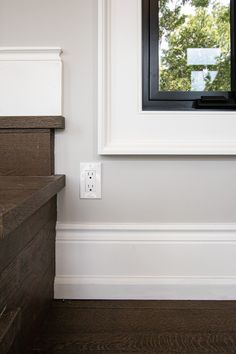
[[188, 54]]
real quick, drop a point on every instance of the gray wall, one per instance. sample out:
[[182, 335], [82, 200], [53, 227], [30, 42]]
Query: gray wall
[[135, 189]]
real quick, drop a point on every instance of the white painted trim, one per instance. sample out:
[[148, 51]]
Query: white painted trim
[[103, 74], [146, 232], [30, 53], [31, 81], [145, 227], [141, 147], [148, 288], [209, 133], [146, 261]]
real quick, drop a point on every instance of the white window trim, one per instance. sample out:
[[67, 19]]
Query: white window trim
[[123, 128]]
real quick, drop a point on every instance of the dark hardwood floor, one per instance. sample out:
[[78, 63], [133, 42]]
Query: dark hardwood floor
[[184, 327]]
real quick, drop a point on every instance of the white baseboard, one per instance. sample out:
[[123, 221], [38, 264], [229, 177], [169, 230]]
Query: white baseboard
[[146, 288], [133, 261]]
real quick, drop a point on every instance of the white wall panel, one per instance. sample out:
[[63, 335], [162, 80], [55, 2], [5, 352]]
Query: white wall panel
[[31, 81]]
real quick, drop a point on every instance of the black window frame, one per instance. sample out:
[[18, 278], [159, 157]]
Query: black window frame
[[152, 99]]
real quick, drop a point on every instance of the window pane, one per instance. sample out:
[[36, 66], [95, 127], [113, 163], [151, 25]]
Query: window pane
[[194, 45]]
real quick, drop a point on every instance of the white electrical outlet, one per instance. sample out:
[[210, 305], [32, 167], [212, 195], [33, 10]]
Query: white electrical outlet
[[90, 180]]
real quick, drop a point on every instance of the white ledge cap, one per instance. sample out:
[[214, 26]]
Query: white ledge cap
[[30, 53]]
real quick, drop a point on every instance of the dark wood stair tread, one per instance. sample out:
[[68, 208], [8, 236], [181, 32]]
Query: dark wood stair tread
[[35, 122], [21, 196]]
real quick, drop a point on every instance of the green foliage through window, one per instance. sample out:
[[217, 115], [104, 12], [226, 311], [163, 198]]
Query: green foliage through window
[[193, 24]]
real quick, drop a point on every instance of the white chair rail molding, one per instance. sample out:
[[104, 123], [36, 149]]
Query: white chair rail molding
[[31, 81]]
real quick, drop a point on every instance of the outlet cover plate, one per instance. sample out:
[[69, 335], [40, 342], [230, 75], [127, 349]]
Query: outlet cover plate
[[90, 180]]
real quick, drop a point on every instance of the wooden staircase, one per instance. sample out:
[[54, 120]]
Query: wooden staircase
[[28, 211]]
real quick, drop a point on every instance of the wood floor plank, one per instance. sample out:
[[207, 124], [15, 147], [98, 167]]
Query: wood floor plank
[[184, 343], [74, 327], [95, 320], [159, 304], [9, 323]]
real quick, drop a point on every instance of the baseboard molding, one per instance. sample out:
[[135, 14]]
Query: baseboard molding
[[137, 261], [145, 288]]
